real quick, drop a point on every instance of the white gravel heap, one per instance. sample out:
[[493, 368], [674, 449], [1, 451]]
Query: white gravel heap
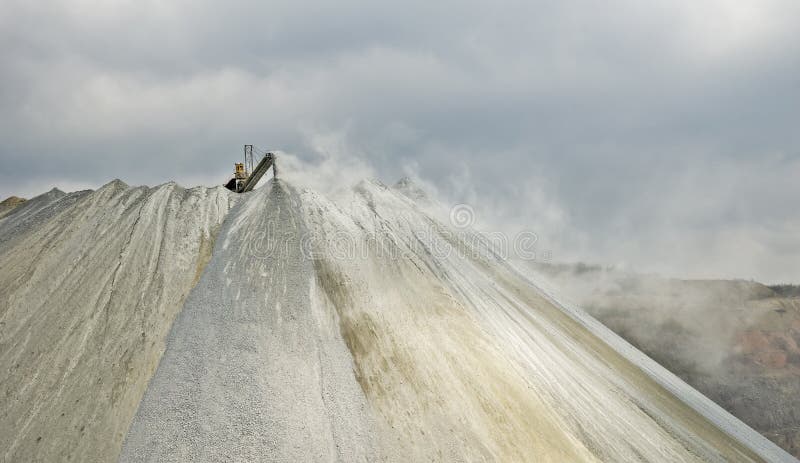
[[358, 328]]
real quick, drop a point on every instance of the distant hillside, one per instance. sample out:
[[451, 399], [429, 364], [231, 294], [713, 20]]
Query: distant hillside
[[735, 341], [786, 290], [8, 204]]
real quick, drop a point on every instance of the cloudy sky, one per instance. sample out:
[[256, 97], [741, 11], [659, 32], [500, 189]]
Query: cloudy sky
[[661, 135]]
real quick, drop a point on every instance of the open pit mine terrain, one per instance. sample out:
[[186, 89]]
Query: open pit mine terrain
[[737, 342], [167, 325]]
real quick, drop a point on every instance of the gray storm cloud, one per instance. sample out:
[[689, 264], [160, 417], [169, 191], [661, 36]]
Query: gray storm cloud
[[659, 135]]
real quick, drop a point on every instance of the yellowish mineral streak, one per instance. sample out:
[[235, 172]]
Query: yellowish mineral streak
[[440, 384]]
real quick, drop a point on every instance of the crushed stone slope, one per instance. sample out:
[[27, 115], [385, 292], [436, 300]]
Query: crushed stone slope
[[362, 329], [443, 331], [31, 214], [352, 328], [254, 369], [89, 286]]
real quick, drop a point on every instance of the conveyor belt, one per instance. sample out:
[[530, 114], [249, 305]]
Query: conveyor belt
[[258, 172]]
